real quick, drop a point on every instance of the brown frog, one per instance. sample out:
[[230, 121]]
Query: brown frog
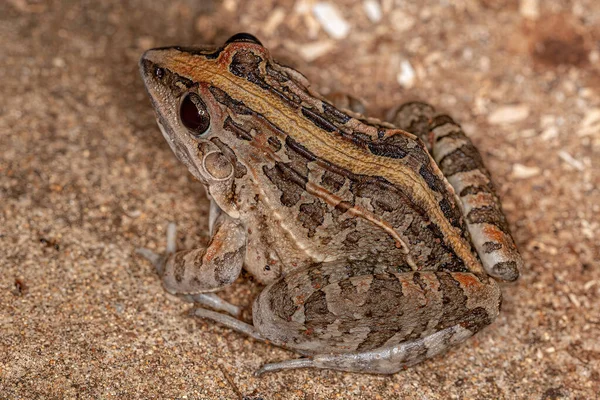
[[378, 247]]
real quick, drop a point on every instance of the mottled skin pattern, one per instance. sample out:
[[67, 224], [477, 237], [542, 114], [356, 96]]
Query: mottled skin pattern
[[371, 261]]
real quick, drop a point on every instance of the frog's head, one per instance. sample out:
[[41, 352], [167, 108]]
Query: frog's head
[[191, 91]]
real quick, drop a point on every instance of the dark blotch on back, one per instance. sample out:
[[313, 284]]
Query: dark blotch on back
[[386, 150], [274, 143], [237, 129], [290, 178], [332, 181], [312, 215], [237, 106], [334, 114], [245, 64], [318, 120], [396, 146], [287, 181], [434, 183]]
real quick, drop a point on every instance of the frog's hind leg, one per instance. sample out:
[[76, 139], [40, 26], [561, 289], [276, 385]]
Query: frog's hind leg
[[387, 360], [354, 316], [462, 165]]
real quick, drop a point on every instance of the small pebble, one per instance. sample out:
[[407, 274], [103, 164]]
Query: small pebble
[[509, 114], [373, 10], [590, 124], [331, 20], [314, 50], [406, 76], [529, 9], [569, 159], [549, 133], [521, 171]]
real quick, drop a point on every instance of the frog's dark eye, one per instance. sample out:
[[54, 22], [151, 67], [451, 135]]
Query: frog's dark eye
[[243, 37], [159, 72], [194, 114]]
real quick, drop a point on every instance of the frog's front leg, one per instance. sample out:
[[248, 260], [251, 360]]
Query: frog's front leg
[[202, 270], [359, 318]]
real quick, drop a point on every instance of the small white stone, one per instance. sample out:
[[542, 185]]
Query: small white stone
[[406, 76], [574, 300], [590, 124], [509, 114], [521, 171], [529, 9], [569, 159], [373, 10], [230, 5], [314, 50], [331, 20], [549, 133], [58, 62]]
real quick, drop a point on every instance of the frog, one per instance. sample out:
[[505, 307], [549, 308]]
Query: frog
[[378, 244]]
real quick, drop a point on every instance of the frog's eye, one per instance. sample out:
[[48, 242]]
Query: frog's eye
[[243, 37], [194, 114]]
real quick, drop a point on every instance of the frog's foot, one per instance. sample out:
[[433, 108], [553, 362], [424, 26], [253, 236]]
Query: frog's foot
[[159, 260], [387, 360]]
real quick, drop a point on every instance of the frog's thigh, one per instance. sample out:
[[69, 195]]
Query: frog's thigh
[[375, 323], [211, 268], [462, 165]]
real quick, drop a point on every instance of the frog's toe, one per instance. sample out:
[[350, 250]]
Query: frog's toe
[[158, 260], [287, 364], [171, 238]]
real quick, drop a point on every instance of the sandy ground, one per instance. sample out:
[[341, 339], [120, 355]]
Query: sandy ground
[[86, 177]]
